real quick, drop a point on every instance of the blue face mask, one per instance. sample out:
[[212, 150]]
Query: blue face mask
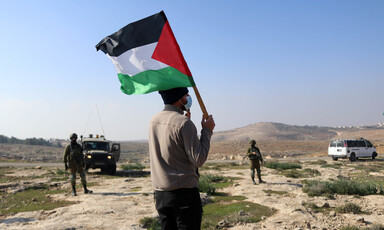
[[189, 103]]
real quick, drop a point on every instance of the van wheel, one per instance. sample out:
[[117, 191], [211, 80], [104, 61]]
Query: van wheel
[[374, 155], [335, 158], [352, 157]]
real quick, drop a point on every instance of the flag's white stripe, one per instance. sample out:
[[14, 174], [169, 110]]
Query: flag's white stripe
[[137, 60]]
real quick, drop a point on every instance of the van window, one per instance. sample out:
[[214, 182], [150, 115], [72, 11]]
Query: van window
[[340, 143], [349, 143], [362, 144], [355, 144], [333, 144], [369, 144]]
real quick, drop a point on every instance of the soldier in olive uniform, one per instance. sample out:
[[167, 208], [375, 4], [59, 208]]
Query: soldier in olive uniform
[[74, 160], [255, 158]]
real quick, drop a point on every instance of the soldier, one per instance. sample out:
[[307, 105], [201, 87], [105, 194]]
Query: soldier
[[255, 158], [74, 160]]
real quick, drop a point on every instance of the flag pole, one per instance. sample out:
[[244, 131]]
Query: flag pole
[[201, 103]]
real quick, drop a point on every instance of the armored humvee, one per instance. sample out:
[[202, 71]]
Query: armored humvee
[[100, 153]]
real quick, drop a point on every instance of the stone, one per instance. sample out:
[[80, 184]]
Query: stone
[[360, 219]]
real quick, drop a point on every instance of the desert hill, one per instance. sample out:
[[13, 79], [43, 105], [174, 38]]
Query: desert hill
[[269, 131]]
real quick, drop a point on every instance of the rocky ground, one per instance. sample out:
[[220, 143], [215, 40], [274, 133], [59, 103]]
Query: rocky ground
[[120, 203]]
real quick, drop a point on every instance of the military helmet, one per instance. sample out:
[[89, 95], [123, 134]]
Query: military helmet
[[73, 135], [252, 142]]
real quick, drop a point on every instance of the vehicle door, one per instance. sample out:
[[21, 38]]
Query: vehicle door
[[362, 149], [355, 148], [368, 148], [340, 147], [116, 151]]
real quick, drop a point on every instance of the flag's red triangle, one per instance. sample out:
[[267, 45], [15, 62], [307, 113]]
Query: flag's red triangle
[[168, 51]]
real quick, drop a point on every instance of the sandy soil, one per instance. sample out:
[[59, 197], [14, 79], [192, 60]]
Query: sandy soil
[[120, 204]]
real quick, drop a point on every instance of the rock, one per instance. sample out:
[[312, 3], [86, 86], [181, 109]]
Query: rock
[[242, 213], [332, 213], [223, 223], [205, 199], [38, 167], [360, 220], [326, 205]]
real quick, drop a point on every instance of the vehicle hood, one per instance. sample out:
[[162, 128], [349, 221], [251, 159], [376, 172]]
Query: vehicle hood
[[97, 152]]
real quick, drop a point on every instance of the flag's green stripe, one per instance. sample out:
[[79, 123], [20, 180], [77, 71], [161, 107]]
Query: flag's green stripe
[[154, 80]]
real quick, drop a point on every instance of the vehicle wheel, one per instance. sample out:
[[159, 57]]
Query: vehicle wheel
[[352, 157], [374, 155], [103, 169], [335, 158], [112, 169]]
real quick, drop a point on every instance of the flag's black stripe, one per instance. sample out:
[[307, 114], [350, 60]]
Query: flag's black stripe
[[135, 34]]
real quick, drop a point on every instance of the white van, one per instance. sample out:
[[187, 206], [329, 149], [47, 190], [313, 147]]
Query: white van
[[352, 149]]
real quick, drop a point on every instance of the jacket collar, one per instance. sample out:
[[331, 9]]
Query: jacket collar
[[169, 107]]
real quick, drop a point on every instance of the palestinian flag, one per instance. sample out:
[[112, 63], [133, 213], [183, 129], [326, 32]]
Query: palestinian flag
[[147, 56]]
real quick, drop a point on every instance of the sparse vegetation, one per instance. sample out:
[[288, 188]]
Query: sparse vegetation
[[342, 186], [30, 200], [282, 165], [334, 165], [349, 208], [234, 212], [208, 183], [307, 172], [223, 166], [135, 166], [150, 223], [323, 209]]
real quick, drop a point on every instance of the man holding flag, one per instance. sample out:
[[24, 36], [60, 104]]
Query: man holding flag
[[147, 58], [176, 152]]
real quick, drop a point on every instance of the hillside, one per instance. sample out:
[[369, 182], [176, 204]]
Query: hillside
[[269, 131]]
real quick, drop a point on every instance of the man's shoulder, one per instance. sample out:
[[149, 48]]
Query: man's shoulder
[[169, 117]]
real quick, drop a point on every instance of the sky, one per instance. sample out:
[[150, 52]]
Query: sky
[[297, 62]]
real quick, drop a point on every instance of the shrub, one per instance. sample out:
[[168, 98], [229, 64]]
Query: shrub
[[342, 186], [282, 165], [349, 208], [151, 223], [205, 184], [349, 228]]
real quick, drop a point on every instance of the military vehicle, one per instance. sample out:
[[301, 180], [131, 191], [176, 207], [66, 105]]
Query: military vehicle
[[100, 153]]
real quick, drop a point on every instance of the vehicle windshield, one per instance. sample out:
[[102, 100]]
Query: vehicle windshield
[[94, 145]]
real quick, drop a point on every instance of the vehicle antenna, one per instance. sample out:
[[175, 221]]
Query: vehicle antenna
[[100, 119], [86, 125]]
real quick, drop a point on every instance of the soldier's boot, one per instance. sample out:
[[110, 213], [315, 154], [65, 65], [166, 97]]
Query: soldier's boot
[[74, 190], [260, 180], [86, 191], [253, 176]]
